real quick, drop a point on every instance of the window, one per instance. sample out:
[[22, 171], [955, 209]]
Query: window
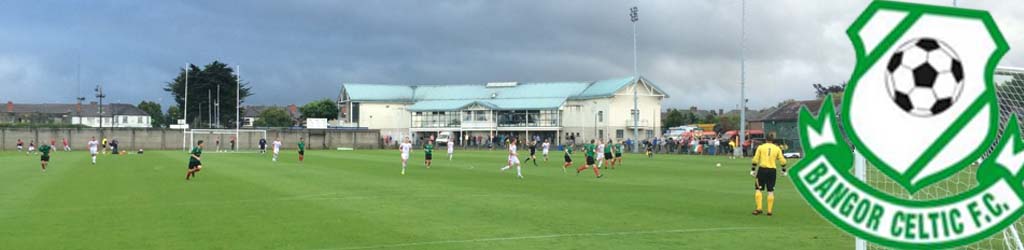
[[124, 119], [600, 133], [467, 116], [650, 133], [481, 115], [139, 119], [435, 119], [619, 133], [600, 116]]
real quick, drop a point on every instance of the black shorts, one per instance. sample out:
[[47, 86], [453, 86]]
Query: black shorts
[[765, 179], [263, 147], [302, 152], [618, 155], [428, 157], [44, 158], [568, 159], [607, 156], [590, 160], [194, 164]]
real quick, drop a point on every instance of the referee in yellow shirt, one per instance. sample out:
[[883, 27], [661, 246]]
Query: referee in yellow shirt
[[766, 158]]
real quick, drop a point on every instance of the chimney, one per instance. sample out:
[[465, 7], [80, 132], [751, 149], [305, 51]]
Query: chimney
[[693, 109], [293, 109], [10, 106], [721, 111]]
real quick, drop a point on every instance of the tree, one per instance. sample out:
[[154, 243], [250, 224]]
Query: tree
[[689, 118], [274, 117], [710, 118], [728, 122], [201, 83], [673, 119], [173, 114], [324, 108], [156, 115]]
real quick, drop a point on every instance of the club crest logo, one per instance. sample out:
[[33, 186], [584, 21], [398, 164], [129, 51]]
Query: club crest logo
[[920, 107]]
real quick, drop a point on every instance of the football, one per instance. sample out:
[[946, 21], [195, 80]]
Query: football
[[924, 77]]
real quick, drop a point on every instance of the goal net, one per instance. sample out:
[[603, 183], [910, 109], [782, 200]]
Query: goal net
[[1010, 93], [219, 140]]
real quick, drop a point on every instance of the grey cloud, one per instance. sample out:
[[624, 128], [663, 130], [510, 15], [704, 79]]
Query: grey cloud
[[297, 51]]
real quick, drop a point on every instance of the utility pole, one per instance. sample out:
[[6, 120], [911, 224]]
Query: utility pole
[[80, 98], [633, 17], [100, 95]]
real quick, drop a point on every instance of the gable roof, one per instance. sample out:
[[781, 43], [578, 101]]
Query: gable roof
[[88, 110], [441, 97], [378, 92]]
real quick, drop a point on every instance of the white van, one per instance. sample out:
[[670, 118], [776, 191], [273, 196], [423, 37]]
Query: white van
[[443, 138]]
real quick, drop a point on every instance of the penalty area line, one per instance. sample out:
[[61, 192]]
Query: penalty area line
[[550, 236]]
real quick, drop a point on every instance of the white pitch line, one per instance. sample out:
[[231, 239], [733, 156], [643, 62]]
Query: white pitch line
[[535, 237]]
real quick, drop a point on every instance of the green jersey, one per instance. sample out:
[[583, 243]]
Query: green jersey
[[590, 149], [618, 148], [429, 148], [608, 149], [568, 151], [302, 146], [45, 149], [197, 151]]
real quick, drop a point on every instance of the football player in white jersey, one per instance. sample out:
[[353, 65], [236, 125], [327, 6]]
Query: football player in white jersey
[[544, 149], [451, 149], [405, 148], [513, 158], [93, 148], [277, 147]]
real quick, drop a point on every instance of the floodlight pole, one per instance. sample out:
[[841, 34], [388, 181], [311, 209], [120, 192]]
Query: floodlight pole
[[738, 151], [238, 100], [184, 144], [633, 17]]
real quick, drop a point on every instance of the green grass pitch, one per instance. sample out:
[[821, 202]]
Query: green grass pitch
[[358, 200]]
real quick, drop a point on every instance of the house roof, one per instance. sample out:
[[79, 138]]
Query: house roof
[[88, 110], [445, 97], [378, 92]]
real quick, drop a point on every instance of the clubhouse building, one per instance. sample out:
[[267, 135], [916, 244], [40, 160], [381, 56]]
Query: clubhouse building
[[549, 110]]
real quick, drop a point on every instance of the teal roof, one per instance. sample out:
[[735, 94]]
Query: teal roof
[[440, 105], [541, 95], [604, 88], [607, 88], [378, 92]]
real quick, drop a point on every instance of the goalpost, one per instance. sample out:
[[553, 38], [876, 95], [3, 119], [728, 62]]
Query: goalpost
[[1010, 94], [246, 140]]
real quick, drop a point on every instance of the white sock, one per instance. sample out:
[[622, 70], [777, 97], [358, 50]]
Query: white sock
[[519, 170], [504, 168], [94, 159]]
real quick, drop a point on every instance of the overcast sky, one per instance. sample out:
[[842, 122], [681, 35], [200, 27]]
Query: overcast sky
[[301, 50]]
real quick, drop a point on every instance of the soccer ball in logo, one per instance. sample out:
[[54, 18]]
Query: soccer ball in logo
[[924, 77]]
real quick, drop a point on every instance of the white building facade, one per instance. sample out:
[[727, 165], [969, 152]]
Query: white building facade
[[555, 111]]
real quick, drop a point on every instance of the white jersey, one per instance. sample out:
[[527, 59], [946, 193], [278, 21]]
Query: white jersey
[[277, 146], [93, 146], [513, 157], [405, 148], [600, 150], [451, 147], [545, 147]]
